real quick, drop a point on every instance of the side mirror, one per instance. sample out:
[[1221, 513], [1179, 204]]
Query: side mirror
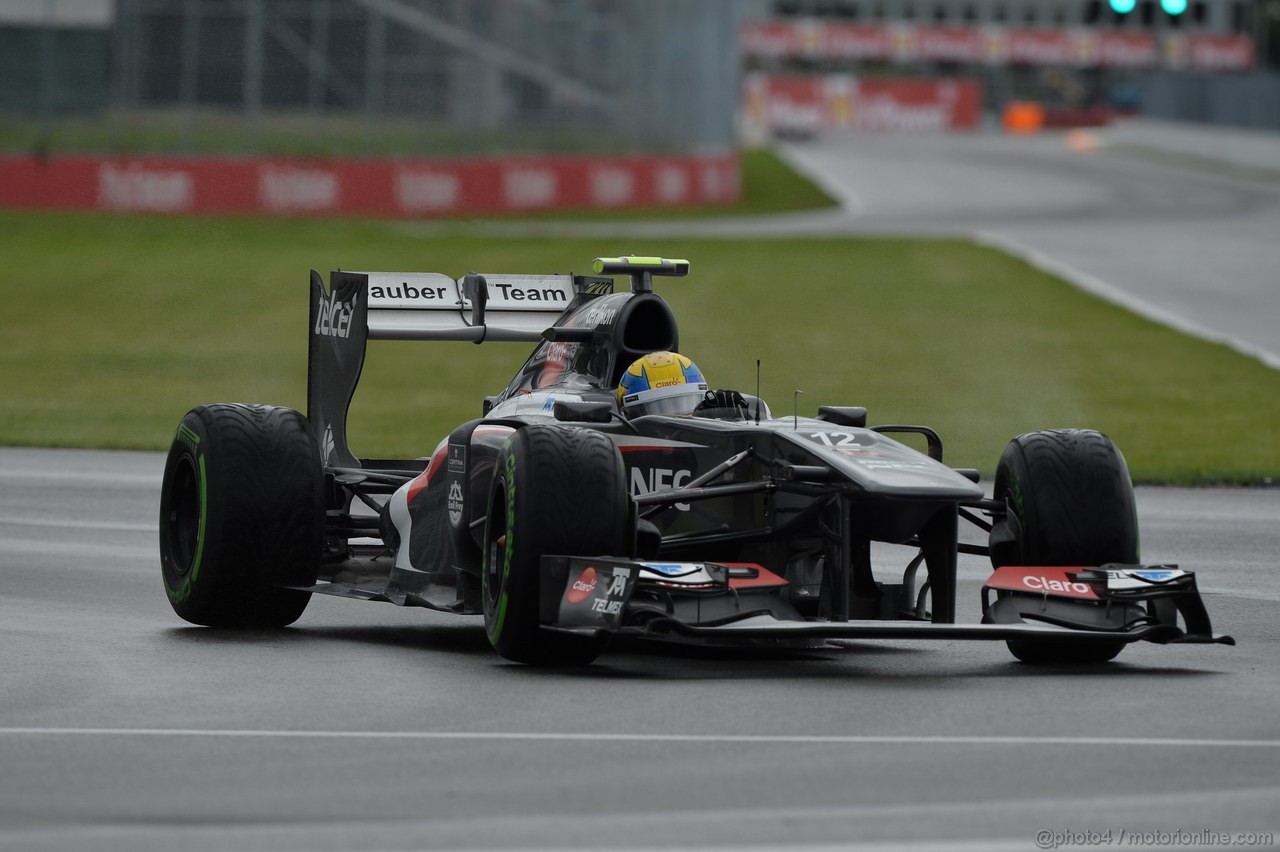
[[844, 415]]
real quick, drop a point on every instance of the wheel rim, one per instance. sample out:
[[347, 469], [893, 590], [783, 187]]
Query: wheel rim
[[183, 517], [496, 551]]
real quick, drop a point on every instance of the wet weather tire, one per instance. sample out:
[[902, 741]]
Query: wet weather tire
[[241, 516], [1071, 503], [556, 490]]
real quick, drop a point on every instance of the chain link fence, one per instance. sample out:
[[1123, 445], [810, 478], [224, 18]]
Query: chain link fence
[[369, 77]]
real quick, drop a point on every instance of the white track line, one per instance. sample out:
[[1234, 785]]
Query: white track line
[[610, 737], [1116, 296], [850, 201]]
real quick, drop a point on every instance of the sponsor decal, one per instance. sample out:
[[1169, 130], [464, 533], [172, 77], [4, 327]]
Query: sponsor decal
[[421, 191], [1128, 50], [1049, 584], [1221, 52], [455, 503], [188, 437], [612, 186], [407, 291], [611, 603], [517, 293], [1042, 581], [583, 587], [671, 184], [853, 41], [770, 39], [327, 445], [559, 354], [529, 187], [1141, 579], [595, 597], [136, 188], [808, 104], [285, 189], [668, 569], [595, 316], [949, 44], [333, 318], [457, 458], [655, 479]]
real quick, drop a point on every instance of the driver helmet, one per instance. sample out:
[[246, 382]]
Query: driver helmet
[[661, 383]]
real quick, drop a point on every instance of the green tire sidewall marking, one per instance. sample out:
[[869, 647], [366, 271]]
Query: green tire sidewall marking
[[500, 619], [188, 437], [1133, 501], [1015, 488]]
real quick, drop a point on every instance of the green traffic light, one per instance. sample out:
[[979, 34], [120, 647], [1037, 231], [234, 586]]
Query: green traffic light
[[1123, 7], [1173, 7]]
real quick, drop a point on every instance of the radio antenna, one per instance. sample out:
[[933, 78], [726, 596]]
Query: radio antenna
[[757, 391], [795, 408]]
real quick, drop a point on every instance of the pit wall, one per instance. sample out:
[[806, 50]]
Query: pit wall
[[373, 188]]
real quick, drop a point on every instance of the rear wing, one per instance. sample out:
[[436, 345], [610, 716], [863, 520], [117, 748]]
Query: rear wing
[[431, 306], [362, 306]]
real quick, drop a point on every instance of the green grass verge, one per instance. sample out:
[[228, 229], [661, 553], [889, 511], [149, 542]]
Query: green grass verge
[[284, 134], [114, 326]]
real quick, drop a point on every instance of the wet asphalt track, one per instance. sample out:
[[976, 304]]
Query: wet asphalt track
[[371, 727]]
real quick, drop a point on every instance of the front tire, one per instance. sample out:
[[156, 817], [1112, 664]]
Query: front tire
[[556, 490], [241, 516], [1071, 502]]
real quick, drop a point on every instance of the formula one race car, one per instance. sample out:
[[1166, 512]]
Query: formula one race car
[[588, 502]]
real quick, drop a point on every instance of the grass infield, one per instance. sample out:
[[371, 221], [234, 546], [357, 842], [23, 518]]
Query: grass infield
[[114, 326]]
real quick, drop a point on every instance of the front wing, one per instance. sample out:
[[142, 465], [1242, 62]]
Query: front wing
[[741, 604]]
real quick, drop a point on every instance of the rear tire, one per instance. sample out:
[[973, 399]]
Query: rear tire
[[241, 515], [1071, 501], [556, 490]]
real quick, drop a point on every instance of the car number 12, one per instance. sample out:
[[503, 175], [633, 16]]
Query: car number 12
[[835, 439]]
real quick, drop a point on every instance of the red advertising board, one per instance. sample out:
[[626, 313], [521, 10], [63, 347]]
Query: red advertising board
[[773, 39], [917, 105], [1220, 53], [855, 42], [905, 42], [1052, 47], [950, 44], [1127, 50], [381, 188], [780, 103]]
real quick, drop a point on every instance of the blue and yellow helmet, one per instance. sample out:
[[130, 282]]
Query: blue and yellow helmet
[[661, 383]]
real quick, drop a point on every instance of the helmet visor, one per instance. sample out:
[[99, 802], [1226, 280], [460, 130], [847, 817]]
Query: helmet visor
[[677, 399]]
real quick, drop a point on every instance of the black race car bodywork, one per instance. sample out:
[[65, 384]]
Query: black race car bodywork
[[564, 523]]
